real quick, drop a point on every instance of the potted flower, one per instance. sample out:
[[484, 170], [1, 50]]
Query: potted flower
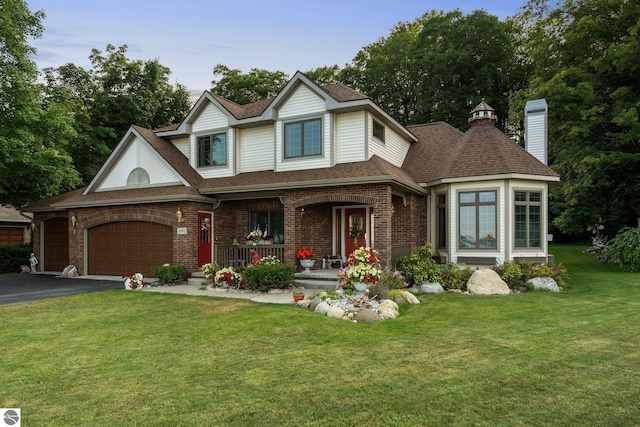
[[298, 295], [362, 270], [133, 281], [209, 270], [226, 277], [305, 256]]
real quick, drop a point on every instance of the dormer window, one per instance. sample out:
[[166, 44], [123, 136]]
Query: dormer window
[[138, 176], [212, 150], [378, 130], [303, 138]]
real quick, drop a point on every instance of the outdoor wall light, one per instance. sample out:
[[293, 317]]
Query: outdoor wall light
[[74, 221], [179, 216]]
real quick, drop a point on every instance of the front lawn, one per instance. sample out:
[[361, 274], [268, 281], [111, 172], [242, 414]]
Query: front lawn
[[130, 358]]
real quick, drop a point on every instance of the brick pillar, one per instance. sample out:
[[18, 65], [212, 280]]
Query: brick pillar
[[292, 223], [382, 226]]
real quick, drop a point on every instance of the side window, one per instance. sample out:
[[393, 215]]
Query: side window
[[477, 220], [212, 150], [527, 219], [378, 130]]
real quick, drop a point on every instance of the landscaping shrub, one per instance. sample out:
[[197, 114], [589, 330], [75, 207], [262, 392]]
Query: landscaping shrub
[[388, 281], [454, 276], [13, 256], [516, 274], [263, 277], [420, 267], [625, 248], [170, 274]]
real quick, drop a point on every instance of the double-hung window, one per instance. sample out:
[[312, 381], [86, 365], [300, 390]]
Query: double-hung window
[[378, 130], [477, 220], [303, 138], [527, 211], [212, 150]]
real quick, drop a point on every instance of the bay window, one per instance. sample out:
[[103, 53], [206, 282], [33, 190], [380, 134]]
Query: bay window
[[527, 219], [477, 224]]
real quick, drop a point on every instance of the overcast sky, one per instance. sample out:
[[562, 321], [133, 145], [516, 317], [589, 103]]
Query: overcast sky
[[192, 36]]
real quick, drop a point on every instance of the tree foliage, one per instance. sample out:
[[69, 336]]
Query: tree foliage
[[584, 54], [107, 99], [245, 88], [34, 134], [439, 66]]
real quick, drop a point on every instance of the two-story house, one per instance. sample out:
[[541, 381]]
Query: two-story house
[[320, 166]]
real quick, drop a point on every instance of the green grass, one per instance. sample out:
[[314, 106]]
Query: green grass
[[131, 358]]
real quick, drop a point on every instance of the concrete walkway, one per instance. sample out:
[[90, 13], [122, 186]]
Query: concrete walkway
[[275, 298]]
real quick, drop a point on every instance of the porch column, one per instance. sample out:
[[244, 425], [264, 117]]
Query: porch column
[[382, 226], [292, 223]]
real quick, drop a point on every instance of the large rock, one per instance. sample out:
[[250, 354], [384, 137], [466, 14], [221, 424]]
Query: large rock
[[430, 288], [335, 312], [487, 282], [388, 309], [322, 308], [367, 315], [543, 284]]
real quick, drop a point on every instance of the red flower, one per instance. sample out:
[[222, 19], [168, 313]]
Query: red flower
[[305, 253]]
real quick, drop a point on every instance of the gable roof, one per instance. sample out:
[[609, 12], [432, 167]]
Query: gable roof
[[445, 154], [13, 215]]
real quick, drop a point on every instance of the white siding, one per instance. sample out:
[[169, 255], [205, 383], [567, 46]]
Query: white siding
[[209, 119], [215, 171], [394, 148], [350, 137], [182, 144], [303, 101], [139, 154], [256, 149], [536, 143]]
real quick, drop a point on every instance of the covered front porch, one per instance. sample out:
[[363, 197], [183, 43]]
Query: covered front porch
[[331, 221]]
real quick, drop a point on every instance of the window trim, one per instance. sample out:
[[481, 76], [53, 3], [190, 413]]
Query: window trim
[[477, 205], [382, 127], [212, 135], [302, 122], [442, 216], [527, 203]]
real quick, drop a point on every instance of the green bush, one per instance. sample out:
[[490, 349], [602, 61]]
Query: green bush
[[389, 280], [516, 274], [625, 248], [420, 267], [263, 277], [170, 274], [454, 276], [13, 256]]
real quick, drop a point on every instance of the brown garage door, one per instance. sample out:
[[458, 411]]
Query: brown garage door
[[56, 244], [11, 235], [119, 248]]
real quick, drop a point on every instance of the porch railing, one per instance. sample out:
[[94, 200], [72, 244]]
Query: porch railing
[[240, 256]]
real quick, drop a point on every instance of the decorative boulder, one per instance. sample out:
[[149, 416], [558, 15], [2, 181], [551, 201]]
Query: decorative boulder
[[335, 312], [367, 315], [487, 282], [387, 304], [314, 303], [388, 313], [70, 271], [322, 308], [543, 284], [430, 288], [411, 298]]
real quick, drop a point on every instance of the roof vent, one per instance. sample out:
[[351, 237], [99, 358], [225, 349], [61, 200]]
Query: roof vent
[[535, 129], [483, 113]]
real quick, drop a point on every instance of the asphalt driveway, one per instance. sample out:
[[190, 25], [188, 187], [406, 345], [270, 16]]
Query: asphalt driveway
[[19, 288]]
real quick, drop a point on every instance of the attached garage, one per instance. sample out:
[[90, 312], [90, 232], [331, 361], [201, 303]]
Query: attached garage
[[10, 235], [119, 248], [56, 244]]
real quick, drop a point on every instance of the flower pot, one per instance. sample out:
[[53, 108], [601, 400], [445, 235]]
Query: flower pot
[[360, 287], [297, 298], [307, 264]]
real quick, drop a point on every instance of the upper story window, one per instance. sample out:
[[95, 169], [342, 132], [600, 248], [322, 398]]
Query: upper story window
[[212, 150], [303, 138], [138, 176], [527, 223], [378, 130], [478, 220]]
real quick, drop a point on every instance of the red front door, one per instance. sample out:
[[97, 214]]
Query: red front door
[[205, 231], [355, 229]]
